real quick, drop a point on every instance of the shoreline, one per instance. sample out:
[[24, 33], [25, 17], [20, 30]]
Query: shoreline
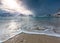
[[34, 33], [32, 38]]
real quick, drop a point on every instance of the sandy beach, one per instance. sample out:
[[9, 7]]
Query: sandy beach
[[32, 38]]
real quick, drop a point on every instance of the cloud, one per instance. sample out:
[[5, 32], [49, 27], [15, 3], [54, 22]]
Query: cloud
[[37, 7], [15, 6], [43, 7]]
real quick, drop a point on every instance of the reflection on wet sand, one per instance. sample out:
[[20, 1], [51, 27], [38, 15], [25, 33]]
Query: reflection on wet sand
[[11, 27]]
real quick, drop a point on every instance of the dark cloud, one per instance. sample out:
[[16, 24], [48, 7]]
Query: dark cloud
[[42, 7]]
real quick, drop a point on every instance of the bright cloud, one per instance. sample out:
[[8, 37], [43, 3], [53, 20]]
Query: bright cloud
[[15, 6]]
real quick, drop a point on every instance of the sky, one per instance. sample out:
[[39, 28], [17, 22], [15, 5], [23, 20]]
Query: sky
[[42, 7], [36, 7], [14, 6]]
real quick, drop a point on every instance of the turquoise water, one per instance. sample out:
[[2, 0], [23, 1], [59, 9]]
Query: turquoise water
[[10, 26], [45, 22]]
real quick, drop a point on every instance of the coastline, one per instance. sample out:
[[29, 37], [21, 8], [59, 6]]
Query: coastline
[[49, 21], [30, 38]]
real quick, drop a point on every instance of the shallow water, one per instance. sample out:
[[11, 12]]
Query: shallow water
[[11, 26]]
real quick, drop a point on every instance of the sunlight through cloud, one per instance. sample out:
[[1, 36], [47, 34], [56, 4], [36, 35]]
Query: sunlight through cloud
[[15, 6]]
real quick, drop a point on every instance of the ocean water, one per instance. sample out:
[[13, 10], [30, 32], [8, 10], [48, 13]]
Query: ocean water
[[11, 26]]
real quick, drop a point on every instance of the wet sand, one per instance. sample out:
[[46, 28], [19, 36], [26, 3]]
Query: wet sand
[[29, 38]]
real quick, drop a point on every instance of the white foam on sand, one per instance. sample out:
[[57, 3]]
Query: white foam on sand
[[7, 36], [9, 29], [48, 32]]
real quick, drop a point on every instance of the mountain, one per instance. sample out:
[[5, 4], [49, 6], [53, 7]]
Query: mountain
[[56, 14], [4, 13]]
